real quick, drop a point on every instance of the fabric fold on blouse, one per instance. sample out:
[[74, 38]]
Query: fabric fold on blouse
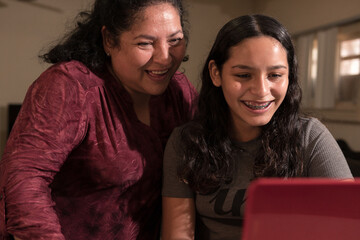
[[79, 164]]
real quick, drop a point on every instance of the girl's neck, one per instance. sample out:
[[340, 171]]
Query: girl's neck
[[245, 134]]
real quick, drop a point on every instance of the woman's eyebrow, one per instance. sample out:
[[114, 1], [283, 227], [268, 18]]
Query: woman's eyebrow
[[150, 37], [145, 36], [175, 33]]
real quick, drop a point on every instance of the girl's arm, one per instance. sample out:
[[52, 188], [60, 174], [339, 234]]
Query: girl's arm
[[178, 218]]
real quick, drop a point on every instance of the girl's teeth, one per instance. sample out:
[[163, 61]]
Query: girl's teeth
[[257, 106]]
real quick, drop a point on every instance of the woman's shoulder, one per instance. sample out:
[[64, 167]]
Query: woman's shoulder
[[71, 72], [68, 67]]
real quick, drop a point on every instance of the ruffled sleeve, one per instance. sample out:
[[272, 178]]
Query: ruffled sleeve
[[50, 124]]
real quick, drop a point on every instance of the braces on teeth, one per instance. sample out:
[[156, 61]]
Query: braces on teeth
[[257, 107]]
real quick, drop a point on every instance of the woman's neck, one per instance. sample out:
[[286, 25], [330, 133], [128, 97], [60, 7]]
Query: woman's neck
[[140, 101], [142, 108]]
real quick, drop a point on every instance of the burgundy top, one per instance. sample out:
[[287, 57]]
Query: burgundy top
[[80, 165]]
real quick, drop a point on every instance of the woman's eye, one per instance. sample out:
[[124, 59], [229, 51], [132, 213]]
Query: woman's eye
[[174, 41], [144, 44]]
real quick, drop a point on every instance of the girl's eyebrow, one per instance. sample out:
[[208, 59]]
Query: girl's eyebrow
[[251, 68], [278, 67], [242, 66]]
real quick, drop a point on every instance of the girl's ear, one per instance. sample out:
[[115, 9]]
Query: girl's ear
[[107, 40], [214, 73]]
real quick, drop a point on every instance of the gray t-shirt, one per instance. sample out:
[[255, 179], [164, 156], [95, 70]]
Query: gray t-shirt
[[219, 215]]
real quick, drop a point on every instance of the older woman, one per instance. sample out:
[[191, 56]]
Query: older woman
[[84, 158]]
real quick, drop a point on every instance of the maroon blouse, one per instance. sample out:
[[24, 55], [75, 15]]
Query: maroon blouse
[[80, 165]]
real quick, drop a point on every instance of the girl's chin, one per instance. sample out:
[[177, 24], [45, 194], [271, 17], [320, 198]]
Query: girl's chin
[[259, 122]]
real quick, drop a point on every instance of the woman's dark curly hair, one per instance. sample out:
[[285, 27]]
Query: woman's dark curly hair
[[207, 159], [85, 42]]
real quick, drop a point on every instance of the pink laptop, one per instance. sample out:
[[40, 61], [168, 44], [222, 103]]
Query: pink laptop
[[302, 209]]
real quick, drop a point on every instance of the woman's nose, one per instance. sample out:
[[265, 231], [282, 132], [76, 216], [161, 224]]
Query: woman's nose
[[161, 54]]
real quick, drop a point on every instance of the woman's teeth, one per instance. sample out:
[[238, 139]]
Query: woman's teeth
[[257, 106], [159, 72]]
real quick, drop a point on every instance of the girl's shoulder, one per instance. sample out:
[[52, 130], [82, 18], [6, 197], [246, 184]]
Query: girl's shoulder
[[311, 124], [314, 130]]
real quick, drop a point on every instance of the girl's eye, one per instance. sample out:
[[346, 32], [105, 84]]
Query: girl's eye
[[275, 75], [244, 75], [174, 41]]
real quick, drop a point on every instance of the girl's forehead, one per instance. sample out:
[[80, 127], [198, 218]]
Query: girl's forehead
[[259, 40], [258, 51]]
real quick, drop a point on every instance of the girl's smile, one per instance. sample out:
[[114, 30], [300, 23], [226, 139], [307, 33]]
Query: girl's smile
[[254, 81]]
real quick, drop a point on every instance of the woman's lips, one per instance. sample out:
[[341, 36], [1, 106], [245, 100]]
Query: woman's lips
[[157, 72]]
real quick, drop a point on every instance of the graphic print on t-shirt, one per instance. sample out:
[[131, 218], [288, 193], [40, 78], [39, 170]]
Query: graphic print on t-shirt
[[220, 197]]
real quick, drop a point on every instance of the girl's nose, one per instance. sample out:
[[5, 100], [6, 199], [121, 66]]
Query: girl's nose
[[260, 86]]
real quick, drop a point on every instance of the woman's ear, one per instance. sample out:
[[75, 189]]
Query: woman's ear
[[214, 73], [107, 41]]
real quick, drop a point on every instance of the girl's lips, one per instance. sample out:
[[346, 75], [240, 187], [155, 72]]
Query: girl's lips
[[257, 105]]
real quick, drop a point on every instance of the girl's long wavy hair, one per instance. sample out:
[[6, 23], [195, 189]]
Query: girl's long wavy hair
[[85, 43], [207, 147]]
